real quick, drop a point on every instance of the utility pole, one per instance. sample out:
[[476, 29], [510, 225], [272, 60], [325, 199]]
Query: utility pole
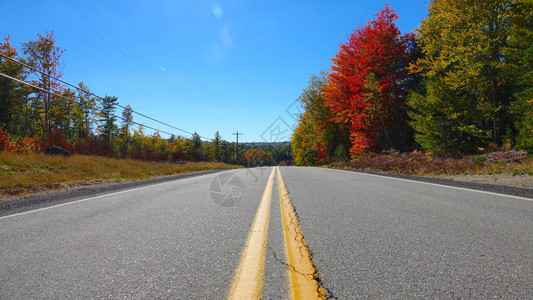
[[237, 148]]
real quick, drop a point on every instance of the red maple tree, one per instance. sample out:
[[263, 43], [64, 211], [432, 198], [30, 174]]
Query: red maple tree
[[365, 88]]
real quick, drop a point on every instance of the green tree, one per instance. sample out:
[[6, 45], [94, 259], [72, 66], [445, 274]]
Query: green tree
[[282, 154], [217, 140], [196, 147], [521, 58], [304, 142], [125, 135], [84, 114], [45, 56], [317, 135], [329, 133], [340, 155], [127, 120], [108, 127], [13, 96], [63, 114], [445, 122], [466, 69], [227, 152]]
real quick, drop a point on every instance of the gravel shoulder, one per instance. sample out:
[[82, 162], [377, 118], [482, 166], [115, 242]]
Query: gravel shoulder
[[520, 181], [518, 185]]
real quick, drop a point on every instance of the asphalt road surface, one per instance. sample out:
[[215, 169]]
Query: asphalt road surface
[[228, 235]]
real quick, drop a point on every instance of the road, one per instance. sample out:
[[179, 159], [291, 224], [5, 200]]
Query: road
[[275, 233]]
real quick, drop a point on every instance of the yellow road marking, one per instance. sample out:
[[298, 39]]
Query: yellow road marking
[[301, 275], [248, 280]]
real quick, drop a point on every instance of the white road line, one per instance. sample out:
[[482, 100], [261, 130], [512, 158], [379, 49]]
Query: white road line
[[436, 184], [111, 194]]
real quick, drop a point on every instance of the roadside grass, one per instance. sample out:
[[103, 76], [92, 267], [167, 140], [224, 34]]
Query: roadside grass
[[422, 164], [22, 174]]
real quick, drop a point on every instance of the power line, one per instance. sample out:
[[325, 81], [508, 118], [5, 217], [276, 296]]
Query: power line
[[92, 94], [108, 55], [142, 63], [72, 100], [76, 102]]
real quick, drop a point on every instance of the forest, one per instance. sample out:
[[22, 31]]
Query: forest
[[47, 111], [461, 84]]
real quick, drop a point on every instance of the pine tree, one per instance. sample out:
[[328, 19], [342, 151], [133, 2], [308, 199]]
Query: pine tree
[[108, 126], [196, 147], [216, 143], [13, 96]]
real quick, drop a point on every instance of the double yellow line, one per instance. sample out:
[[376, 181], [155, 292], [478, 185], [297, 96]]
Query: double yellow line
[[301, 272]]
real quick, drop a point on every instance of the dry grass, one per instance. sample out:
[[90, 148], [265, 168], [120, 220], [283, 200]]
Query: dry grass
[[24, 173], [422, 164]]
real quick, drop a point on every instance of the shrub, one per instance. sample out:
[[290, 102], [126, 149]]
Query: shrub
[[56, 138], [340, 154], [5, 144], [90, 146], [422, 163], [506, 157], [479, 160], [28, 145]]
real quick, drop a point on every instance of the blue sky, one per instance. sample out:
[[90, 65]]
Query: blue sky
[[200, 65]]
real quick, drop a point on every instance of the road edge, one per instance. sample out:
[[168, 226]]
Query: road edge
[[485, 187], [18, 204]]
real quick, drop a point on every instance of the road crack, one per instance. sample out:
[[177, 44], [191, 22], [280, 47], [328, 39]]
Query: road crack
[[296, 234]]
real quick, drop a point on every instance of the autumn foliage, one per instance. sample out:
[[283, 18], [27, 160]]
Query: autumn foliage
[[5, 145], [461, 86], [258, 157], [317, 136], [77, 120], [366, 88], [422, 163]]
